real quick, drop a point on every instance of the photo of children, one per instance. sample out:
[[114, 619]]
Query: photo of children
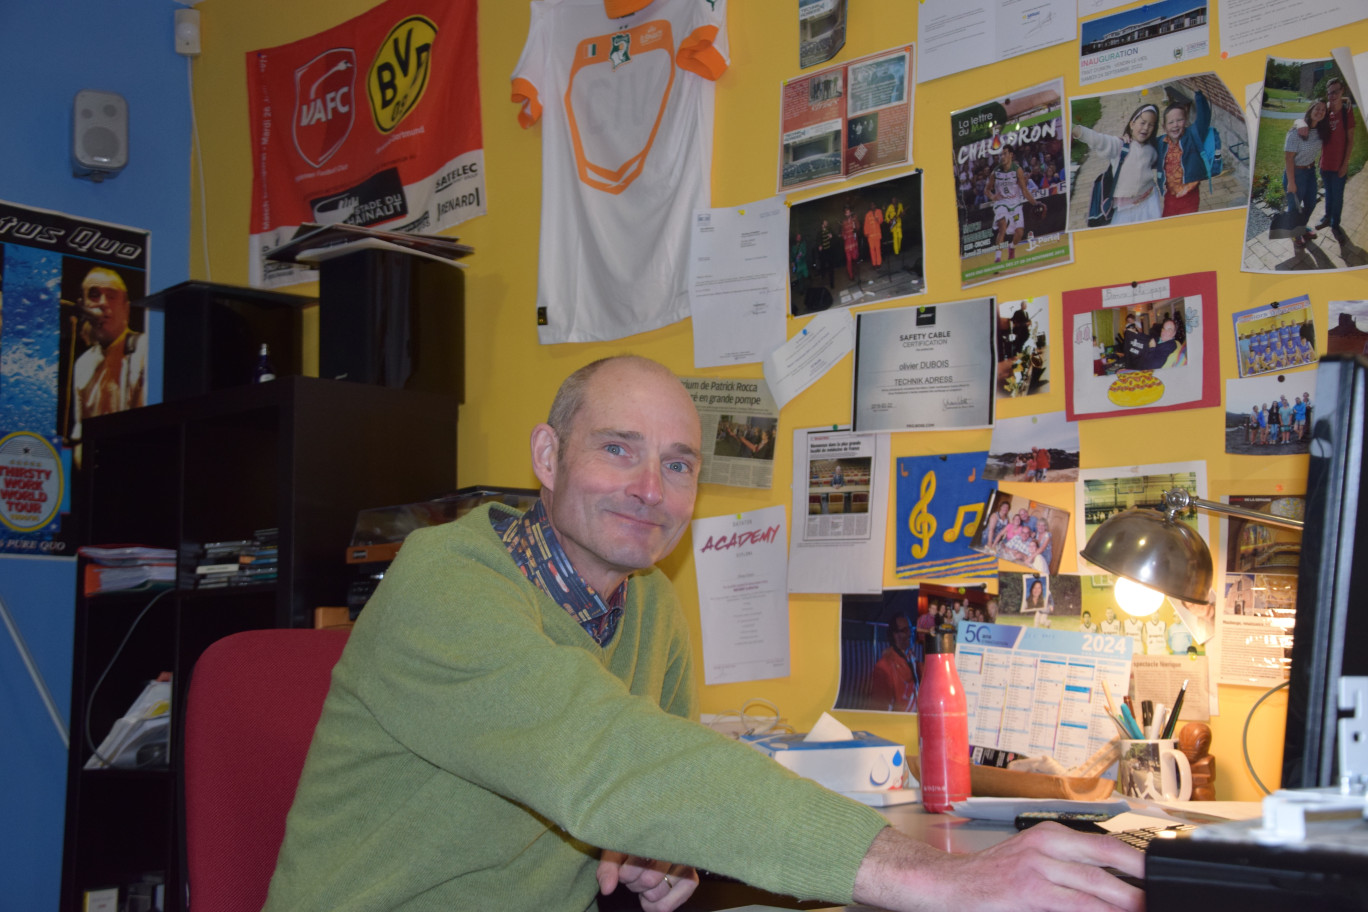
[[1306, 199], [1022, 531], [1011, 186], [1275, 337], [859, 246], [1172, 148]]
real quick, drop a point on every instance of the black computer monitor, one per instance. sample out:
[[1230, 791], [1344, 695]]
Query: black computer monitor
[[1330, 639]]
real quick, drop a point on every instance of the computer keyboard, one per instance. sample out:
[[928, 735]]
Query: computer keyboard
[[1141, 837]]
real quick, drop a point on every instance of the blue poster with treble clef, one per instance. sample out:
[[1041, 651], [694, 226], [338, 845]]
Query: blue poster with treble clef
[[940, 506]]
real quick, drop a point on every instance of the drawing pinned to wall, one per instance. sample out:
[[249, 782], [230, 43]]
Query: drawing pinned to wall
[[1307, 214], [1142, 347], [940, 506], [1156, 151]]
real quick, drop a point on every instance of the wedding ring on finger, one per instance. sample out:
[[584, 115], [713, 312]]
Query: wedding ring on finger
[[669, 884]]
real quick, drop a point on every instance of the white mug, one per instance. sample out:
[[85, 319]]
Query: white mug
[[1153, 770]]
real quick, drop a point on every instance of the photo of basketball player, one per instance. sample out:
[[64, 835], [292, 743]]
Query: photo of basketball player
[[1010, 185]]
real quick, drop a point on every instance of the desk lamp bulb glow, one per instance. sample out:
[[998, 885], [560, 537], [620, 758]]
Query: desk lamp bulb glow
[[1137, 599]]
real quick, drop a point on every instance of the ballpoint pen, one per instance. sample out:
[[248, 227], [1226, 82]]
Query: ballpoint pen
[[1131, 725], [1173, 714]]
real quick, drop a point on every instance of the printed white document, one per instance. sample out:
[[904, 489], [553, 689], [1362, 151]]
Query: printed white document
[[955, 36], [840, 512], [738, 282], [742, 602]]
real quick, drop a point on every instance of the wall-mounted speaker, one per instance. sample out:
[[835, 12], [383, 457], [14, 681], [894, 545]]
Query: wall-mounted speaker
[[99, 134]]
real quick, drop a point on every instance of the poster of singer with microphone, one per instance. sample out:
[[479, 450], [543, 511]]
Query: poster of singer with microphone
[[73, 345]]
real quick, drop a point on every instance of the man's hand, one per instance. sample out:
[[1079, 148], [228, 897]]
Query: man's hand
[[1048, 867], [663, 887]]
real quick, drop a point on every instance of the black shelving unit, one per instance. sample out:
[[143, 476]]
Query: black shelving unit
[[299, 454]]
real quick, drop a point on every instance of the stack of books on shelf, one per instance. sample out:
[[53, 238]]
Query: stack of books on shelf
[[120, 568], [215, 565]]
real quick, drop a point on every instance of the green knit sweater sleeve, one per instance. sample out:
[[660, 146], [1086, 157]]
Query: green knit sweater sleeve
[[488, 682]]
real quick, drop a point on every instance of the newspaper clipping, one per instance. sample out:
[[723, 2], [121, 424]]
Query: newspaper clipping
[[739, 420]]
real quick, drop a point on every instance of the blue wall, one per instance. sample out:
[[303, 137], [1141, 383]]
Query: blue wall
[[51, 50]]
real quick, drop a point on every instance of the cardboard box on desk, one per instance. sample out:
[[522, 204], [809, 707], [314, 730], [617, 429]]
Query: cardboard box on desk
[[863, 763]]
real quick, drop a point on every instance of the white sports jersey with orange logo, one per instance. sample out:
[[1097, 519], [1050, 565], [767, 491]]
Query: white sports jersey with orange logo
[[626, 88]]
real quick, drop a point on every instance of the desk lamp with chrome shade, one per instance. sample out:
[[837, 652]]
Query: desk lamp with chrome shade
[[1152, 554]]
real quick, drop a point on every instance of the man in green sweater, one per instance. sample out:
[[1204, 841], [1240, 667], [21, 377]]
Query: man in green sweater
[[509, 727]]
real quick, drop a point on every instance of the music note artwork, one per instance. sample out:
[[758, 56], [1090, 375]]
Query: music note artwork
[[940, 500]]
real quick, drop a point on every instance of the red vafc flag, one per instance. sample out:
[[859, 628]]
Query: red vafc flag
[[383, 128]]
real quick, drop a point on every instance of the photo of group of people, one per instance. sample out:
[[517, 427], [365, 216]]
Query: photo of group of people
[[1307, 200], [885, 638], [1269, 415], [1275, 337], [1157, 151], [1022, 531], [752, 438], [859, 246], [1023, 348], [1149, 336]]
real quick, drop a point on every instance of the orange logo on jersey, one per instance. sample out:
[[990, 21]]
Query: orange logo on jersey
[[615, 111]]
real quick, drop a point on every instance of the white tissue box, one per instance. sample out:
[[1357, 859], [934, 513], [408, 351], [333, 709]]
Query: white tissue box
[[863, 763]]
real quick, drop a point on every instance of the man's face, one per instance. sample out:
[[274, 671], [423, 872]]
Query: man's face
[[1334, 93], [622, 492], [1169, 330], [106, 305], [902, 633]]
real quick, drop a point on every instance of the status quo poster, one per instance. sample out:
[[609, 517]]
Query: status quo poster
[[71, 347], [375, 122]]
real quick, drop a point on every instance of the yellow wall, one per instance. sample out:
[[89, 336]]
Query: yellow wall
[[510, 379]]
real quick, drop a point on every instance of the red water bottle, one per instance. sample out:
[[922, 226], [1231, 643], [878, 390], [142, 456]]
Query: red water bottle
[[943, 727]]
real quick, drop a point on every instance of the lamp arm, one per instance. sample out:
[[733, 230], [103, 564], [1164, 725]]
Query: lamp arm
[[1178, 499]]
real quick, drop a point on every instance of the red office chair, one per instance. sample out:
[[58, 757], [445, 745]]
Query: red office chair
[[254, 700]]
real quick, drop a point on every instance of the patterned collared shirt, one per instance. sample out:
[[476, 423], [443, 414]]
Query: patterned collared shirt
[[533, 545]]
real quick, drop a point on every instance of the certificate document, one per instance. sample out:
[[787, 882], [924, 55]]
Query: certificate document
[[925, 368]]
